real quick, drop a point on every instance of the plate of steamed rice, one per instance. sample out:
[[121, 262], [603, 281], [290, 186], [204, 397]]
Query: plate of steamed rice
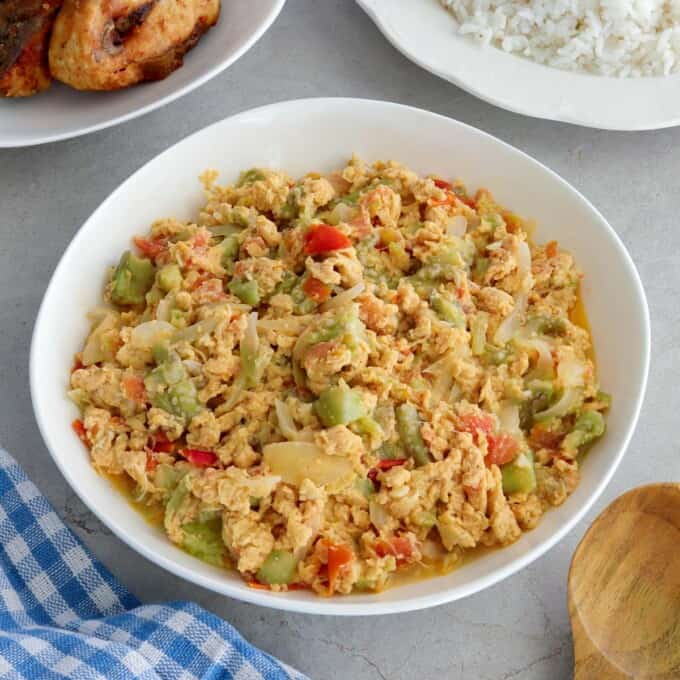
[[610, 64]]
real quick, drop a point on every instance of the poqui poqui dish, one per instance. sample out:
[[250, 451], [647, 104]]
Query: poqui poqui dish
[[326, 382]]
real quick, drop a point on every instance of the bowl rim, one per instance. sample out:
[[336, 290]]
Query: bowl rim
[[323, 605], [626, 108], [136, 112]]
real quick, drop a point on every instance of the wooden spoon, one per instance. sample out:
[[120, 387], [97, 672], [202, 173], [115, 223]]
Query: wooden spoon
[[624, 589]]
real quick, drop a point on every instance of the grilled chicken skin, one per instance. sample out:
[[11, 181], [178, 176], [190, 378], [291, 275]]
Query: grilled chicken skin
[[25, 27], [111, 44]]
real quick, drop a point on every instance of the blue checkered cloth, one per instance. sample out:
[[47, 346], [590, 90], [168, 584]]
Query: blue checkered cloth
[[63, 615]]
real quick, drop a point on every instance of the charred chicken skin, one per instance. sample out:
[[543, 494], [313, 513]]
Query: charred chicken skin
[[25, 27], [112, 44]]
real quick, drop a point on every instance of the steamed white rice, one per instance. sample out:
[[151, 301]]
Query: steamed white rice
[[606, 37]]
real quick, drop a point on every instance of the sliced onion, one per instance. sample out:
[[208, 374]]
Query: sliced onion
[[286, 422], [251, 341], [260, 486], [522, 461], [456, 226], [225, 230], [442, 386], [456, 394], [508, 416], [149, 333], [193, 367], [440, 364], [97, 314], [544, 364], [568, 402], [194, 332], [343, 298], [94, 351], [523, 258], [511, 324], [297, 461], [343, 212], [165, 307], [432, 550], [380, 518], [571, 372], [443, 380], [524, 265], [234, 396]]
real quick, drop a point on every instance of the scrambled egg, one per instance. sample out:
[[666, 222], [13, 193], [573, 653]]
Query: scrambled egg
[[327, 381]]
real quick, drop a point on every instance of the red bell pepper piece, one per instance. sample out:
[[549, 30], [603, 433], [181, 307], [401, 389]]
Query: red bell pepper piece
[[151, 248], [161, 444], [502, 449], [324, 238], [316, 290], [200, 457], [339, 556], [80, 430], [399, 546]]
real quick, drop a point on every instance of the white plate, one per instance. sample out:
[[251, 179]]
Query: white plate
[[320, 134], [423, 31], [61, 112]]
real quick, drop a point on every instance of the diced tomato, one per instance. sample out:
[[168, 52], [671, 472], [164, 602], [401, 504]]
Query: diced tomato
[[502, 449], [464, 198], [512, 221], [542, 438], [551, 249], [77, 365], [162, 447], [151, 248], [384, 465], [339, 556], [80, 430], [389, 463], [199, 281], [200, 457], [449, 200], [133, 386], [475, 424], [399, 546], [324, 238], [201, 239], [151, 462], [442, 184], [161, 444], [315, 289]]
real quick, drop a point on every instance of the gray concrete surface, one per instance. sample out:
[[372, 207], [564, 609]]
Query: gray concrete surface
[[518, 629]]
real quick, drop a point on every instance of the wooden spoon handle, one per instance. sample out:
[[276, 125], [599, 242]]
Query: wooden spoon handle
[[589, 662]]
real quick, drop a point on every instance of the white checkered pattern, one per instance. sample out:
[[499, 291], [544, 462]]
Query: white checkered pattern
[[63, 615]]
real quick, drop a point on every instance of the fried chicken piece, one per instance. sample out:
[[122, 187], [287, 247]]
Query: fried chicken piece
[[25, 27], [111, 44]]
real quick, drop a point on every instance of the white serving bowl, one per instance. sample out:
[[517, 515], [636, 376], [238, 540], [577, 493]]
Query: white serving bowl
[[320, 134], [61, 112], [425, 33]]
